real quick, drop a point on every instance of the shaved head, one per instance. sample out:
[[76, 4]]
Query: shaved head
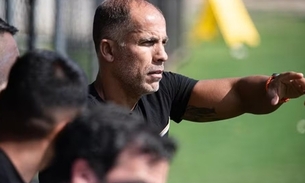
[[113, 19]]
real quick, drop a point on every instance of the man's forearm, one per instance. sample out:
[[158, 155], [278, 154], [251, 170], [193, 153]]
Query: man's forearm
[[253, 94]]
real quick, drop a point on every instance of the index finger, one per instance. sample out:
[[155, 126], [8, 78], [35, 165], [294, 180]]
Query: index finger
[[287, 76]]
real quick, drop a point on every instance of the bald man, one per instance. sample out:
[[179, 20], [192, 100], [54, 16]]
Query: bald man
[[130, 38]]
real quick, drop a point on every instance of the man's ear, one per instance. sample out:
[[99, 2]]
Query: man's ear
[[81, 172], [106, 49]]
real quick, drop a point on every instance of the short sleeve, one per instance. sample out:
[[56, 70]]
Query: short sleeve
[[179, 88]]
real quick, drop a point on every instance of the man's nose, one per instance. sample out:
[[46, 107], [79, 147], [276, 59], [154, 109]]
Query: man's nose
[[160, 54]]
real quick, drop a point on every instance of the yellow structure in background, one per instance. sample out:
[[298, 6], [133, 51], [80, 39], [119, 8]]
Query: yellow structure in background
[[233, 21]]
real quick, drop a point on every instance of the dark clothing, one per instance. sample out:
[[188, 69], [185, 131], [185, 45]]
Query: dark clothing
[[169, 102], [8, 173]]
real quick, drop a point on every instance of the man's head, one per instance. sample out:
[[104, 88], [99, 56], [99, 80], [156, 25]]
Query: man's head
[[8, 51], [109, 145], [145, 159], [43, 90], [129, 37]]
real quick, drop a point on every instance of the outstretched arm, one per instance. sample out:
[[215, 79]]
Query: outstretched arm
[[226, 98]]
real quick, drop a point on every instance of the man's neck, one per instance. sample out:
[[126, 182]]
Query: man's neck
[[114, 92], [27, 157]]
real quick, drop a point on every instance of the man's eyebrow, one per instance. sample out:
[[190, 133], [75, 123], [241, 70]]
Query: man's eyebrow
[[149, 39], [153, 38]]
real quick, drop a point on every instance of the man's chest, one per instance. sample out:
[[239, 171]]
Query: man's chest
[[156, 115]]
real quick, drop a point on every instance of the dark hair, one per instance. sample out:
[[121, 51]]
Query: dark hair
[[98, 137], [112, 18], [41, 86], [5, 27]]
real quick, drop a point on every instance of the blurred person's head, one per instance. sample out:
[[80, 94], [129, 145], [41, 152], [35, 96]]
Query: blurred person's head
[[8, 51], [109, 145], [146, 159], [130, 38], [43, 90]]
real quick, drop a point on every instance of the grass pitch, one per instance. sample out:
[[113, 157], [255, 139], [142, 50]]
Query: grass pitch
[[250, 148]]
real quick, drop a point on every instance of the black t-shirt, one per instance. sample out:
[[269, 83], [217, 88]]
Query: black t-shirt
[[8, 173], [169, 102]]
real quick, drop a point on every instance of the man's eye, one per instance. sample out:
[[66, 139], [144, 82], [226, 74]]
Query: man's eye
[[148, 43]]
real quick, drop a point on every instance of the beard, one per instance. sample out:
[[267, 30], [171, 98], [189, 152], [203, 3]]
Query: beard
[[133, 74], [134, 81]]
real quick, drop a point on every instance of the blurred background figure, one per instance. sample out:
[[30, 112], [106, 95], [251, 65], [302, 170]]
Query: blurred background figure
[[8, 51], [44, 92], [109, 145]]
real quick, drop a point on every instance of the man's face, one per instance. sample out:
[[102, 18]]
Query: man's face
[[139, 58], [132, 167], [8, 54]]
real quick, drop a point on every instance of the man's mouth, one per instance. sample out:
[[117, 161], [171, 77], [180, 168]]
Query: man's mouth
[[155, 72]]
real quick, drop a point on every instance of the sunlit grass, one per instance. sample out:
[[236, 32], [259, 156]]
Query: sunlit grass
[[247, 149]]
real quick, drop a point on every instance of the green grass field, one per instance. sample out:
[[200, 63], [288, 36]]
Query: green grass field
[[249, 148]]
